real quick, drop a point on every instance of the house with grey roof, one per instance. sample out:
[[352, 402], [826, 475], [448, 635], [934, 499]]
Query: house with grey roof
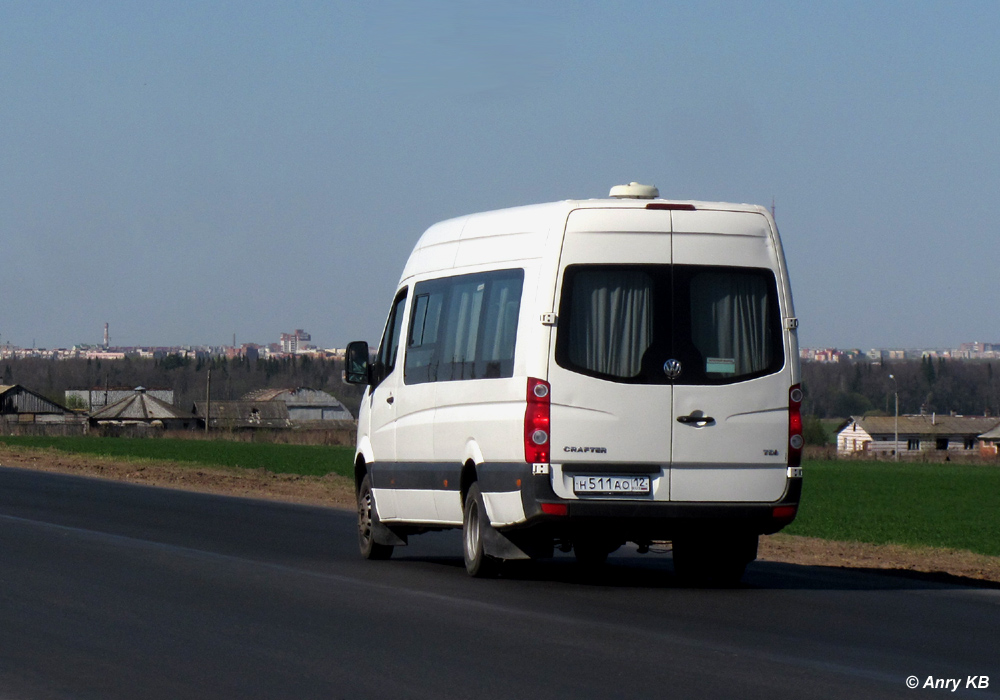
[[98, 397], [141, 409], [918, 435], [300, 409], [304, 404], [989, 442], [243, 414], [26, 412]]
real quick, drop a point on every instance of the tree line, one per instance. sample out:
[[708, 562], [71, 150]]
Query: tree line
[[832, 390], [188, 377], [929, 385]]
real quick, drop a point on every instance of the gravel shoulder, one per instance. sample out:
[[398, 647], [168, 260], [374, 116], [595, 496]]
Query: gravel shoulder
[[944, 565]]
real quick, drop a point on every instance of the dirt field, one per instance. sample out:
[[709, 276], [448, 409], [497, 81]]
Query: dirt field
[[336, 491]]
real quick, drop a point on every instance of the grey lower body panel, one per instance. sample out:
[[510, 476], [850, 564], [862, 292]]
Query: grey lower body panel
[[624, 519]]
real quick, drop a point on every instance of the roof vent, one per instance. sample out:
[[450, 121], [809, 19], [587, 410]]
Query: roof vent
[[634, 190]]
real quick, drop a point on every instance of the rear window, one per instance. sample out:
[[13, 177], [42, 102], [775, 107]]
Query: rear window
[[463, 327], [624, 322]]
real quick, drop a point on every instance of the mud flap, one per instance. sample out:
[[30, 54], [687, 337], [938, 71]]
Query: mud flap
[[499, 546], [516, 545], [383, 534]]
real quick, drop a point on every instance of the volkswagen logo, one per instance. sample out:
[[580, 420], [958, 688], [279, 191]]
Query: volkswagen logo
[[672, 368]]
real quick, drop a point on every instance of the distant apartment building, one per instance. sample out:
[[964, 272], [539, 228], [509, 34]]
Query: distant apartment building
[[820, 355], [829, 355], [875, 355], [296, 342], [249, 351], [979, 351]]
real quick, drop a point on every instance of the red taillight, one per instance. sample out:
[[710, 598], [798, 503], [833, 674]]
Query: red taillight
[[783, 512], [555, 509], [536, 422], [795, 439], [670, 206]]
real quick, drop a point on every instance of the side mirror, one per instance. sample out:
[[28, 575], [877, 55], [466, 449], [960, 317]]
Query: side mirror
[[356, 367]]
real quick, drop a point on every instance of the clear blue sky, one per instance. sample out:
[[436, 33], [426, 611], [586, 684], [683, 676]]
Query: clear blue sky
[[190, 170]]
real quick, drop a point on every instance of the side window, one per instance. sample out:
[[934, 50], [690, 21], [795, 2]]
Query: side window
[[464, 327], [495, 354], [422, 345], [388, 349]]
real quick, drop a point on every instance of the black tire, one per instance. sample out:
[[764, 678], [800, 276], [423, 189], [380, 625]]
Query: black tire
[[474, 523], [367, 520], [591, 554], [714, 562]]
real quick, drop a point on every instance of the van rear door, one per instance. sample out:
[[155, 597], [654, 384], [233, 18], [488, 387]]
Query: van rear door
[[730, 398], [669, 354], [611, 415]]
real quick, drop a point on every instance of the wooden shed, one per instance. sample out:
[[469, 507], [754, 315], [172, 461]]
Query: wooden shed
[[23, 411]]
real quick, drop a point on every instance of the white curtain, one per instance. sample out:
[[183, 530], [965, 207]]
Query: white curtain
[[730, 320], [611, 321]]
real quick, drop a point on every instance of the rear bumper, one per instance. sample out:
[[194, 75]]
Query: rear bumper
[[635, 519]]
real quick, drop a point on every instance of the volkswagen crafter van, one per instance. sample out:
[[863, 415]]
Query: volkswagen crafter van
[[582, 374]]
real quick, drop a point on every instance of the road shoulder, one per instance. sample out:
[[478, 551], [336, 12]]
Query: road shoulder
[[337, 492]]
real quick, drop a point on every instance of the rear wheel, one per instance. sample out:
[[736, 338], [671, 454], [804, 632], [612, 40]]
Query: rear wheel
[[367, 520], [477, 562], [591, 554], [713, 561]]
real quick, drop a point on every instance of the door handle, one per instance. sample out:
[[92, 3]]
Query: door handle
[[696, 419], [389, 399]]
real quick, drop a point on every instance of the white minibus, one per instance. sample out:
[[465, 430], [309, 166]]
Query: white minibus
[[583, 374]]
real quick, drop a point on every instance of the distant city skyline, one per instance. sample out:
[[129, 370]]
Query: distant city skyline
[[185, 171], [976, 350], [301, 339]]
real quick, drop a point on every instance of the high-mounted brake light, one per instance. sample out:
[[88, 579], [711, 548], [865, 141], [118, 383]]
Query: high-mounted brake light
[[670, 206], [795, 439], [536, 422]]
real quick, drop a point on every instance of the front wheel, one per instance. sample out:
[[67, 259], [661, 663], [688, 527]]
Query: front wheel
[[477, 562], [367, 519]]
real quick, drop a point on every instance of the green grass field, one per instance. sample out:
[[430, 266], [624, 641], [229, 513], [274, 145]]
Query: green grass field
[[308, 460], [937, 505]]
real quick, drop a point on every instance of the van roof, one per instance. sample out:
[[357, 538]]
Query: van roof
[[521, 233]]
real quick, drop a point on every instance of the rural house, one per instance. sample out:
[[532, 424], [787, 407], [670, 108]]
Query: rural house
[[304, 404], [243, 415], [989, 442], [302, 410], [141, 410], [100, 396], [25, 412], [874, 435]]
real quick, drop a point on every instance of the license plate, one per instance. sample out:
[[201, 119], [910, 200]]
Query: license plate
[[611, 484]]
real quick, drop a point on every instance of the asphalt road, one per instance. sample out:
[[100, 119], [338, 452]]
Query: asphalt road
[[117, 591]]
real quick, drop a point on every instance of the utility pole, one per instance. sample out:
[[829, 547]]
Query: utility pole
[[895, 443], [208, 400]]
